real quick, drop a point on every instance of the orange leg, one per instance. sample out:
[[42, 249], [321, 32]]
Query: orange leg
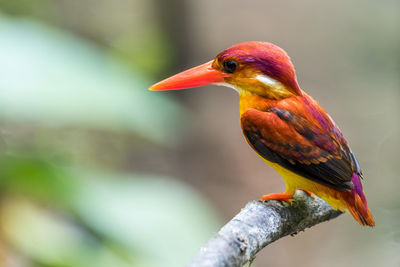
[[278, 196], [308, 193]]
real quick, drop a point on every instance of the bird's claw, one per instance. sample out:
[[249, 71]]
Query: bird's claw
[[285, 197], [309, 193]]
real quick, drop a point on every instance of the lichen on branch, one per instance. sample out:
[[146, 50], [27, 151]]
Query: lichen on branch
[[259, 224]]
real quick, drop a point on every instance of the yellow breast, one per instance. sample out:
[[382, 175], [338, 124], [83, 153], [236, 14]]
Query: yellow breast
[[294, 181]]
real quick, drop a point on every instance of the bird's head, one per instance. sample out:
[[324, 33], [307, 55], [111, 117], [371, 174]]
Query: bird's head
[[258, 68]]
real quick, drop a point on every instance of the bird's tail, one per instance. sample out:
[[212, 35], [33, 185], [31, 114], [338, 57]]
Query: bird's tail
[[357, 203]]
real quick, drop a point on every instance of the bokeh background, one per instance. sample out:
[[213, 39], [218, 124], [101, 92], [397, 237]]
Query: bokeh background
[[95, 170]]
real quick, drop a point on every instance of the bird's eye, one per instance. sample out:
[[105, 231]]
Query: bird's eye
[[229, 66]]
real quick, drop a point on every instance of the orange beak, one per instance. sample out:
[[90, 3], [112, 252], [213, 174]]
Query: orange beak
[[194, 77]]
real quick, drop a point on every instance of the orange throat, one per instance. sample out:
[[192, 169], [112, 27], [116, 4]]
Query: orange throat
[[248, 100]]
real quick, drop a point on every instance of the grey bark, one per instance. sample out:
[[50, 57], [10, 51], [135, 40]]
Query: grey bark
[[259, 224]]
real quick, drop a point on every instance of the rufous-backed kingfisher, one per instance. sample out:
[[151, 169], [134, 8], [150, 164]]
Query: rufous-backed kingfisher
[[284, 125]]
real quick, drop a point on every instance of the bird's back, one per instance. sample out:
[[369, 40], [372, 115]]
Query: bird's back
[[299, 140]]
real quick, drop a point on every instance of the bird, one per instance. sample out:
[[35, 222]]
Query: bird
[[284, 125]]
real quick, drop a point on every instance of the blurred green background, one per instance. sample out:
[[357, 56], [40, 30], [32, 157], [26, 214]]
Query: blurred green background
[[95, 170]]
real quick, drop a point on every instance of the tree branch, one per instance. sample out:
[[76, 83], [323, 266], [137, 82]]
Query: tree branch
[[259, 224]]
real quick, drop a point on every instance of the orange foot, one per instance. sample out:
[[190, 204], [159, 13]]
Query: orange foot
[[278, 196], [309, 193]]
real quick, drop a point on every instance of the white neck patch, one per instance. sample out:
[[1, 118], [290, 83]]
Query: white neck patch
[[268, 80], [271, 83]]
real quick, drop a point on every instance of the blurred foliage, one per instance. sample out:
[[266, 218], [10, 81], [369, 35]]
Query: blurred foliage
[[73, 217], [25, 7], [123, 33], [129, 48], [86, 81], [59, 93]]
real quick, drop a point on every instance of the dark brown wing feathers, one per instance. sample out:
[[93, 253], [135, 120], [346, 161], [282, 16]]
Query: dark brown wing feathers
[[301, 145]]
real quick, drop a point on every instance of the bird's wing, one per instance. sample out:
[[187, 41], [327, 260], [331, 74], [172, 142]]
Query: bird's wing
[[297, 144]]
